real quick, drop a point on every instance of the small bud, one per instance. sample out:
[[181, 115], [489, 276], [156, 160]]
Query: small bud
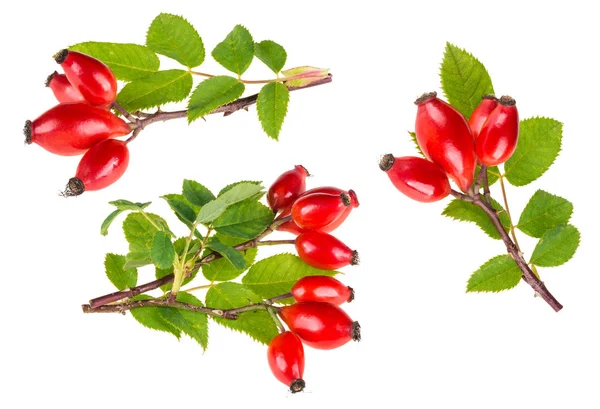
[[303, 76]]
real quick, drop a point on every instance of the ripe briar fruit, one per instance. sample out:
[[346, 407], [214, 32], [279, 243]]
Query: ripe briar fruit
[[62, 88], [292, 227], [320, 325], [91, 77], [499, 135], [287, 188], [286, 359], [322, 250], [417, 178], [317, 210], [446, 139], [322, 289], [481, 113], [100, 167], [72, 128]]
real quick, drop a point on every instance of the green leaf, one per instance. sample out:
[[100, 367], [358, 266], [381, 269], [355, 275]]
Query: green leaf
[[246, 219], [212, 93], [127, 61], [136, 259], [152, 318], [108, 221], [232, 255], [211, 211], [197, 194], [544, 212], [127, 205], [413, 137], [236, 52], [257, 324], [272, 54], [539, 144], [468, 212], [240, 191], [176, 38], [232, 185], [138, 228], [162, 251], [556, 247], [221, 269], [497, 274], [192, 323], [464, 79], [155, 90], [122, 278], [182, 208], [162, 272], [272, 106], [276, 275]]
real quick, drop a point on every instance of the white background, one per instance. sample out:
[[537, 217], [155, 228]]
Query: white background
[[425, 342]]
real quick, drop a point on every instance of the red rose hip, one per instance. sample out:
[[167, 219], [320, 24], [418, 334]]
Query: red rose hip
[[317, 210], [287, 188], [62, 89], [417, 178], [481, 113], [286, 360], [322, 250], [498, 138], [322, 289]]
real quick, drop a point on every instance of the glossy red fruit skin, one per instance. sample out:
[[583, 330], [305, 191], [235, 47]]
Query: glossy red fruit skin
[[73, 128], [480, 114], [446, 139], [498, 138], [62, 89], [317, 210], [322, 289], [286, 360], [320, 325], [324, 251], [293, 228], [286, 188], [100, 167], [417, 178], [90, 76]]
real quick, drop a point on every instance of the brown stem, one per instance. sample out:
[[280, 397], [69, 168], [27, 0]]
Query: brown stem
[[512, 226]]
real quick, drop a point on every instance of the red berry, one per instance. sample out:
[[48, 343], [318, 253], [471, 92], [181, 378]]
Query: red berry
[[100, 167], [320, 325], [317, 210], [72, 128], [62, 88], [322, 289], [481, 113], [287, 188], [417, 178], [446, 139], [286, 359], [322, 250], [498, 138], [90, 76]]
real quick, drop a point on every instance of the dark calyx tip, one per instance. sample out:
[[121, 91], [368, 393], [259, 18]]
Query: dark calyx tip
[[61, 56], [75, 187], [351, 297], [27, 131], [346, 199], [507, 101], [489, 96], [355, 260], [297, 386], [306, 170], [355, 331], [386, 162], [425, 97], [353, 198], [49, 79]]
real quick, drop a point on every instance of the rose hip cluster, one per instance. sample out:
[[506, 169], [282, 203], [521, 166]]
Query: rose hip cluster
[[315, 318], [454, 146], [82, 122]]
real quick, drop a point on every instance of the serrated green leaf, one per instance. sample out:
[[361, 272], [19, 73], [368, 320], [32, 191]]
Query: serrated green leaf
[[162, 251], [138, 228], [257, 324], [108, 221], [271, 106], [556, 247], [240, 191], [155, 90], [246, 219], [127, 205], [197, 194], [543, 212], [223, 270], [497, 274], [538, 147], [468, 212], [127, 61], [211, 211], [176, 38], [194, 324], [236, 52], [182, 208], [232, 185], [464, 79], [121, 278], [272, 54], [151, 317], [229, 253], [276, 275], [413, 137], [135, 259], [212, 93]]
